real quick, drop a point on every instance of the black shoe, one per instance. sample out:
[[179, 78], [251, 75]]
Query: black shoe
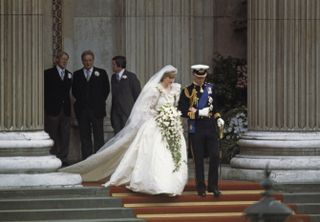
[[202, 193], [216, 192]]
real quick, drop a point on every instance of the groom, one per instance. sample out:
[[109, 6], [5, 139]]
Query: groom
[[125, 90], [198, 104]]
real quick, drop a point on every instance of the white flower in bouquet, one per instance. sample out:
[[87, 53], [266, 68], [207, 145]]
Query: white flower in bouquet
[[168, 120]]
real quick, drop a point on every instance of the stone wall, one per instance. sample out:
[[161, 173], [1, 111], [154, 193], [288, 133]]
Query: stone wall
[[150, 33]]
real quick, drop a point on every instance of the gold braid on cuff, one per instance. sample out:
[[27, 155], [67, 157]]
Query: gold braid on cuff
[[191, 115], [217, 115]]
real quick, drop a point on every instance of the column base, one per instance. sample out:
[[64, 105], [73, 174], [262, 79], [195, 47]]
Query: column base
[[289, 181], [280, 143], [39, 180], [28, 164], [283, 169], [25, 162], [292, 157]]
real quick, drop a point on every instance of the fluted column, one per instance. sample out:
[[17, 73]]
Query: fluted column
[[24, 146], [177, 32], [283, 93], [21, 66]]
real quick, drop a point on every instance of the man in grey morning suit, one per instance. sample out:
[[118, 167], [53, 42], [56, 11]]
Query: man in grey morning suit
[[57, 84], [125, 90]]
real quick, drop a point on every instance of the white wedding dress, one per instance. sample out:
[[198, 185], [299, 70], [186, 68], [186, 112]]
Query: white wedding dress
[[147, 166], [137, 156]]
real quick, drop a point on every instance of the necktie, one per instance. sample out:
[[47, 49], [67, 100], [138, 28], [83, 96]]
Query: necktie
[[87, 74], [62, 74], [118, 76]]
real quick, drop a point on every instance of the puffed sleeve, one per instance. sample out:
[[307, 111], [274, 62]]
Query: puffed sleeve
[[151, 101], [176, 87]]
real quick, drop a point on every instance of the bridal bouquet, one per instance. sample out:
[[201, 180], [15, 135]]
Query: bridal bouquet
[[168, 119]]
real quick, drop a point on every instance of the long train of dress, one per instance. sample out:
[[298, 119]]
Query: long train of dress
[[138, 156]]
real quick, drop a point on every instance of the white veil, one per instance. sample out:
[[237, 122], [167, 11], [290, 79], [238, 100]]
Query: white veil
[[104, 162]]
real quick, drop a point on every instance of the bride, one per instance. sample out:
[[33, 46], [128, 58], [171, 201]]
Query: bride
[[149, 154]]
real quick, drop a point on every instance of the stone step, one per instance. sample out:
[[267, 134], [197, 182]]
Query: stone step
[[65, 214], [305, 202], [301, 197], [93, 220], [59, 203], [44, 193], [297, 188], [314, 217], [308, 208]]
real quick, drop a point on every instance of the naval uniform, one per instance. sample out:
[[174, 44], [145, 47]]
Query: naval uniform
[[203, 132]]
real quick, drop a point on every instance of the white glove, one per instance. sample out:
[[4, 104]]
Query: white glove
[[204, 112], [220, 122]]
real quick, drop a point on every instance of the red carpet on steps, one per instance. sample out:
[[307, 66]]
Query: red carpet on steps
[[189, 207]]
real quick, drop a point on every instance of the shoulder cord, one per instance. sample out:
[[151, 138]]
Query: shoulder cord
[[192, 98]]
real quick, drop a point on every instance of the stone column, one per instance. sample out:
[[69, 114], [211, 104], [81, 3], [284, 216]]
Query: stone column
[[283, 93], [24, 146], [177, 32]]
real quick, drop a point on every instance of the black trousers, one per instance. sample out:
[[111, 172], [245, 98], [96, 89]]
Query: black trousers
[[58, 128], [118, 121], [205, 139], [90, 125]]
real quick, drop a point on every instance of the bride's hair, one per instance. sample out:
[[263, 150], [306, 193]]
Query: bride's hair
[[170, 74]]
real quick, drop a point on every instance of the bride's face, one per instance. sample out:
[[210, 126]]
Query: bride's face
[[167, 81]]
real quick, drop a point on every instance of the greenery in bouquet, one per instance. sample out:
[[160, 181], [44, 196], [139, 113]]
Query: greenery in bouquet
[[230, 84], [169, 122]]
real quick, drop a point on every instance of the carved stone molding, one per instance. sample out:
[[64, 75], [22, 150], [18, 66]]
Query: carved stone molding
[[56, 26]]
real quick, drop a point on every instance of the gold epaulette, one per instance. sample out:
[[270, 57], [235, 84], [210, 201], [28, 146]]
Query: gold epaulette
[[186, 92]]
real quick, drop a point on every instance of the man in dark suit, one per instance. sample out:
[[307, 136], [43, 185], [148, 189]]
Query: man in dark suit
[[90, 88], [198, 104], [57, 84], [125, 90]]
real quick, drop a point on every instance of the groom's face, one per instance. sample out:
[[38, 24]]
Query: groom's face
[[199, 80]]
